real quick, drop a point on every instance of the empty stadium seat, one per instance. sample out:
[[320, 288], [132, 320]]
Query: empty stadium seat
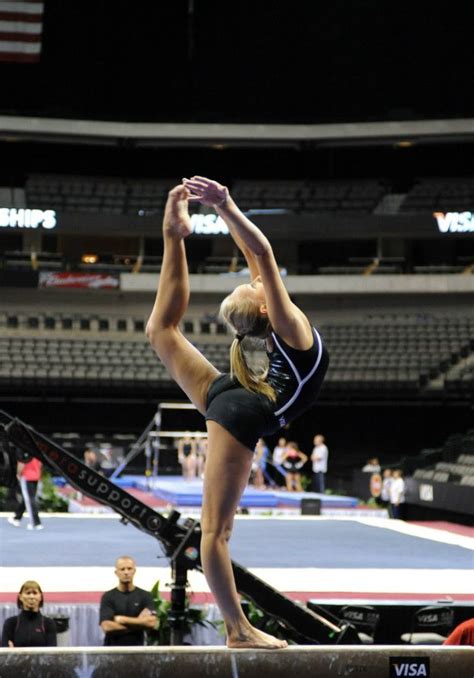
[[444, 194]]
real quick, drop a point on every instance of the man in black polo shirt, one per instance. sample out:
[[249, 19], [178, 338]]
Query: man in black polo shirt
[[127, 610]]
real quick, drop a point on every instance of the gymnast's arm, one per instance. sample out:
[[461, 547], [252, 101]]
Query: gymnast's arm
[[250, 256], [246, 251], [285, 317], [216, 195]]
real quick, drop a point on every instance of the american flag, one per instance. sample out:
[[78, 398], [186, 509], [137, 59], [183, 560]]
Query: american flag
[[21, 25]]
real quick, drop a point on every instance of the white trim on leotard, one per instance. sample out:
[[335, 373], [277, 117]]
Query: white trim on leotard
[[301, 382]]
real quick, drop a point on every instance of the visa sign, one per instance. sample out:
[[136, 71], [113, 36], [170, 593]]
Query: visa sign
[[208, 224], [11, 217], [409, 667], [455, 222]]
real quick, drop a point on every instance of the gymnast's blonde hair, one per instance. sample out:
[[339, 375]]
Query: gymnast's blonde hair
[[245, 318]]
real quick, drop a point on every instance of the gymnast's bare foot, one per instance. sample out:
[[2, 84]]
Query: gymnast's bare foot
[[253, 638], [176, 220]]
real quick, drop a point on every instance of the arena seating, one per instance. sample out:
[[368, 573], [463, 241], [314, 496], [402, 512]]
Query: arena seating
[[145, 196], [383, 355], [440, 194], [44, 261], [86, 323], [356, 197], [133, 196], [114, 263], [96, 194], [107, 263], [366, 266], [453, 462], [463, 382], [79, 365], [213, 264], [127, 196]]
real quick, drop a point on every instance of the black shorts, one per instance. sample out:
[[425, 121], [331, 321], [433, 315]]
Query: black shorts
[[245, 415], [293, 466]]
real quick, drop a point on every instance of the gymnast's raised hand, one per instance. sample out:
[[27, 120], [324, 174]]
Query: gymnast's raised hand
[[206, 191]]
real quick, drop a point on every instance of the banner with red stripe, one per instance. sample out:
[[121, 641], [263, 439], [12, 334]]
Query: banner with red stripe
[[21, 27]]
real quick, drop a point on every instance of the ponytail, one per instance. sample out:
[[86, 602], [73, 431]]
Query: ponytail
[[246, 320]]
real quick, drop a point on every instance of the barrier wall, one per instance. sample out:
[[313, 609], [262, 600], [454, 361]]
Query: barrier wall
[[185, 662], [319, 284]]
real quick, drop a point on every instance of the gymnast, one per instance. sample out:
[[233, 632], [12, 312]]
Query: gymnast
[[242, 406]]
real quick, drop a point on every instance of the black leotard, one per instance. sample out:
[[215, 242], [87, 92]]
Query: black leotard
[[293, 462], [187, 449], [296, 377]]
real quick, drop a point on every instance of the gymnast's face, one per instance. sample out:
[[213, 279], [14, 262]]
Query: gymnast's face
[[253, 290]]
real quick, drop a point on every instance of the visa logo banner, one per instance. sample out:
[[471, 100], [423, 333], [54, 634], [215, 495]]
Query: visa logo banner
[[208, 224], [455, 222], [410, 667]]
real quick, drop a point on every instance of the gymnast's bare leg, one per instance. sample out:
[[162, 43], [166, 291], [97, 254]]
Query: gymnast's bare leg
[[227, 472], [188, 367]]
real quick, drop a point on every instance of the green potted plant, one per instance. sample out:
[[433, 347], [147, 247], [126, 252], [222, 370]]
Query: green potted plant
[[50, 500], [264, 622], [162, 633], [5, 501]]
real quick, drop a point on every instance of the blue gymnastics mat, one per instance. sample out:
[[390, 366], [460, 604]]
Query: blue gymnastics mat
[[180, 492]]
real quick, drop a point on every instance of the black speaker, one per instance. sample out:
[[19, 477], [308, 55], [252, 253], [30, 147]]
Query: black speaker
[[311, 507]]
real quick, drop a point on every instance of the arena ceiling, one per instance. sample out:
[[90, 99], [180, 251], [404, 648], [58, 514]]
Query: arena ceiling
[[205, 61]]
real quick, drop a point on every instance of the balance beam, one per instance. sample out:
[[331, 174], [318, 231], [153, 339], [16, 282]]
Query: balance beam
[[303, 661]]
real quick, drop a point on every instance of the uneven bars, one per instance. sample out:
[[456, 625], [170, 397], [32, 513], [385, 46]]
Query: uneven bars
[[176, 406], [179, 434]]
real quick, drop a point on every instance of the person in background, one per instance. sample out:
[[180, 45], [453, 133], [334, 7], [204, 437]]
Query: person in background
[[319, 459], [187, 456], [386, 484], [293, 461], [127, 610], [90, 460], [372, 466], [29, 475], [29, 628], [259, 463], [107, 462], [201, 451], [277, 458], [397, 493], [279, 451]]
